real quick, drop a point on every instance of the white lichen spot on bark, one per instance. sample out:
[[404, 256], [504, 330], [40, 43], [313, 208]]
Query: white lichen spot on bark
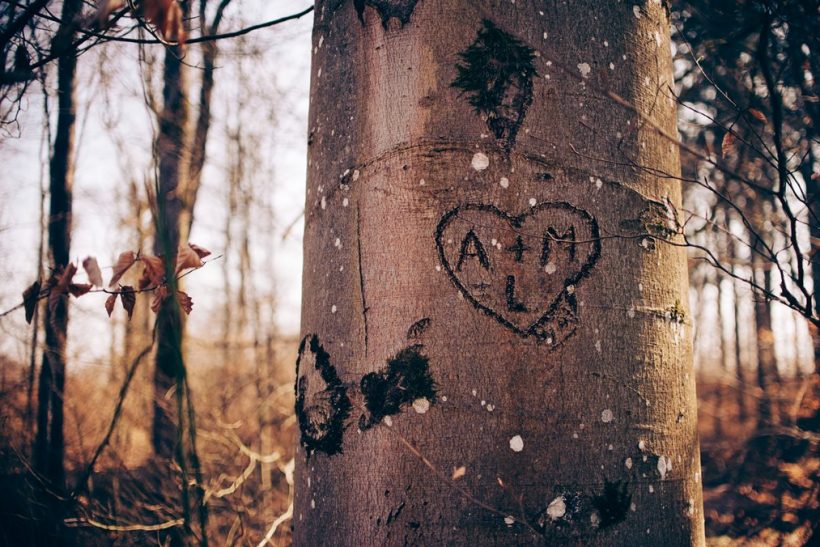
[[421, 405], [333, 308], [509, 520], [664, 466], [595, 519], [557, 508], [607, 416], [480, 161], [550, 268], [504, 182], [517, 444], [459, 472], [585, 69]]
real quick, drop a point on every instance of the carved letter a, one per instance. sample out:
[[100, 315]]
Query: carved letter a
[[471, 246]]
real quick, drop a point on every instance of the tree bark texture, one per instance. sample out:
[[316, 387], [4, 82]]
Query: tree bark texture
[[496, 343]]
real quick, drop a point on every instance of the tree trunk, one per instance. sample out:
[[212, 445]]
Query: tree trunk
[[767, 375], [49, 442], [516, 370], [740, 392], [172, 151], [724, 369]]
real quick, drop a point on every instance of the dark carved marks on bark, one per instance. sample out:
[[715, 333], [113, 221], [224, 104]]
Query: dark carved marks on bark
[[400, 9], [521, 270], [405, 379], [322, 402], [612, 504], [417, 329], [658, 220], [496, 74]]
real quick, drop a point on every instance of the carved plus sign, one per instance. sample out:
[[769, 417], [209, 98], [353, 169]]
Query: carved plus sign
[[518, 249]]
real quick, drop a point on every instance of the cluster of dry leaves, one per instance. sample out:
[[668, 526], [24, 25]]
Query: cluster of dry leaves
[[164, 15], [153, 279]]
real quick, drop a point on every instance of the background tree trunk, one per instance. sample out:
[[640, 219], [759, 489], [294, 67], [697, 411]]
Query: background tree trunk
[[517, 373], [49, 442], [172, 151]]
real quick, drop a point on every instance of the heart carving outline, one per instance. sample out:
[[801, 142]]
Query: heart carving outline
[[562, 308]]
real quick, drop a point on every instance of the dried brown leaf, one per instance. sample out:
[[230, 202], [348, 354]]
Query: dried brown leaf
[[758, 115], [159, 295], [104, 9], [166, 16], [109, 303], [124, 261], [185, 302], [60, 285], [187, 257], [154, 273], [92, 269], [30, 298], [78, 289], [200, 251], [128, 298], [728, 145]]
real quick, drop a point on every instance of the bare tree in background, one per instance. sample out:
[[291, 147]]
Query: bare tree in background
[[49, 443]]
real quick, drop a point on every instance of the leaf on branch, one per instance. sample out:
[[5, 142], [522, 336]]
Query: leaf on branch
[[185, 302], [60, 285], [128, 297], [200, 252], [78, 289], [109, 303], [187, 257], [154, 273], [728, 145], [159, 296], [758, 115], [124, 261], [166, 16], [30, 298], [92, 269], [104, 10]]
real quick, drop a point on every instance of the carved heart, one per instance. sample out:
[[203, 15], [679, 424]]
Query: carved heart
[[521, 270]]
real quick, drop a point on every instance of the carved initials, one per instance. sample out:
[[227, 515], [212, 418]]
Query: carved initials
[[567, 238], [471, 247]]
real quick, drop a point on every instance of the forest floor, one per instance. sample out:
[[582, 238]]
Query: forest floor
[[761, 485]]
